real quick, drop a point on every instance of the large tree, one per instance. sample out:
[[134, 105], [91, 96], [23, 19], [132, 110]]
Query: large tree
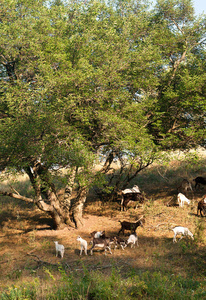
[[87, 79], [178, 118]]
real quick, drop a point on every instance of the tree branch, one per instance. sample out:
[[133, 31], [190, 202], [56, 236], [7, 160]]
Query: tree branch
[[17, 196]]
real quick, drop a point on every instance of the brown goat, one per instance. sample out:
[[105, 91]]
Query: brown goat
[[185, 186], [201, 206], [130, 226], [128, 197]]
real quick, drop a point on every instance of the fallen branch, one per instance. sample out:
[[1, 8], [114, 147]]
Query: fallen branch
[[42, 262]]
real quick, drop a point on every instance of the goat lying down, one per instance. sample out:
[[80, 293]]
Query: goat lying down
[[183, 231], [182, 199]]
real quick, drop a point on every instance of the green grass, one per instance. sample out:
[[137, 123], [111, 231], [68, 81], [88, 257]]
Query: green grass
[[94, 285]]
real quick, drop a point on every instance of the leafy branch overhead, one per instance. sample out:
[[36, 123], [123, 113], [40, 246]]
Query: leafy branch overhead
[[88, 79]]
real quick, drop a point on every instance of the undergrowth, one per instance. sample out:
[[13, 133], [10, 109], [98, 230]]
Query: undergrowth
[[94, 285]]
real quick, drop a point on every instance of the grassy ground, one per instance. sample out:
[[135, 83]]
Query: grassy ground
[[157, 269]]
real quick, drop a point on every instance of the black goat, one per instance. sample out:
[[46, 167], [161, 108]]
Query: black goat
[[199, 180]]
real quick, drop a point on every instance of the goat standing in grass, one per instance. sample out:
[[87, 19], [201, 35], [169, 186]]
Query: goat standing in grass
[[199, 180], [182, 199], [130, 226], [104, 243], [201, 206], [120, 242], [98, 234], [133, 240], [183, 231], [83, 244], [133, 196], [59, 249]]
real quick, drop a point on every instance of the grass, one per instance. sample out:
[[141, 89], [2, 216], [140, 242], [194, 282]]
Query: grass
[[94, 285], [157, 269]]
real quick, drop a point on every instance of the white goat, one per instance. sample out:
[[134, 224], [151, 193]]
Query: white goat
[[97, 234], [183, 231], [182, 199], [135, 189], [59, 249], [83, 244], [133, 239]]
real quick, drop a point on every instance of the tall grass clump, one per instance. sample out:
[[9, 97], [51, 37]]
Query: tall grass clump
[[199, 230]]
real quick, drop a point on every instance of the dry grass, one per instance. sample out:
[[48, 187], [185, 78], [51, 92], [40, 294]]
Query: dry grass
[[27, 244]]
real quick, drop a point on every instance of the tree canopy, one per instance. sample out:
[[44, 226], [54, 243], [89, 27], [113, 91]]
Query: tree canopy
[[82, 79]]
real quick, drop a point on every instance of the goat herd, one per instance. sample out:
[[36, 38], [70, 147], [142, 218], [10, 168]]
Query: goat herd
[[134, 196], [99, 239]]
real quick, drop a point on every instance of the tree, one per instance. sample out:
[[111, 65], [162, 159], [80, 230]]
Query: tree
[[82, 80], [178, 118], [64, 98]]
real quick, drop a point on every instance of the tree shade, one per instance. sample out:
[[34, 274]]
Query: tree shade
[[84, 79]]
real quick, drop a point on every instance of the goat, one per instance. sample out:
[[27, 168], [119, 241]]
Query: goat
[[104, 243], [128, 197], [185, 186], [83, 244], [201, 206], [133, 239], [130, 226], [182, 199], [183, 231], [98, 234], [120, 242], [199, 180], [135, 189], [59, 249]]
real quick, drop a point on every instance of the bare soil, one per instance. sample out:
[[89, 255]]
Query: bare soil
[[27, 242]]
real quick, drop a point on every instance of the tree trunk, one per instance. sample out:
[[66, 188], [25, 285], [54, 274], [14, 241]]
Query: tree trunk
[[47, 200], [77, 207]]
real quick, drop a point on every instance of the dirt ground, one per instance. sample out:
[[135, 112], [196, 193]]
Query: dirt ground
[[27, 242]]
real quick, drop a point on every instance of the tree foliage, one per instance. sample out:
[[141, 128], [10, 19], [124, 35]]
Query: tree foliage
[[82, 79]]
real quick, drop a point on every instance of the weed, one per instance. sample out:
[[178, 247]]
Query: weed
[[199, 230]]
